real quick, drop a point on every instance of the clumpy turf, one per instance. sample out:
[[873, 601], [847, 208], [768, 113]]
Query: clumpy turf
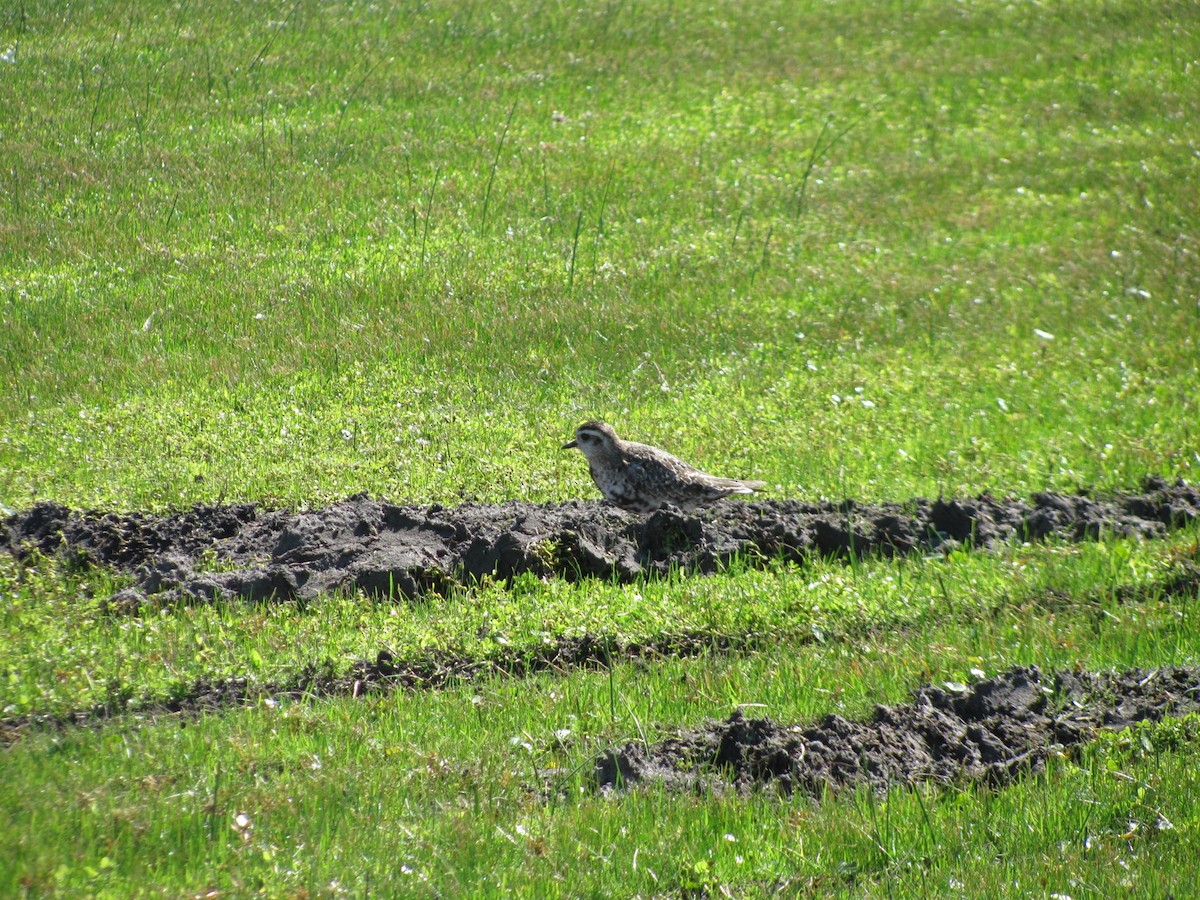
[[244, 551]]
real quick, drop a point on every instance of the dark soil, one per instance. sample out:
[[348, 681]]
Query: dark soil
[[249, 551], [991, 731]]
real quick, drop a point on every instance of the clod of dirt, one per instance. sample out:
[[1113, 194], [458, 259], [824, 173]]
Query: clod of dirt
[[991, 731], [245, 550]]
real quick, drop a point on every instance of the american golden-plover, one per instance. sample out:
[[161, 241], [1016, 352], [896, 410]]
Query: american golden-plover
[[642, 479]]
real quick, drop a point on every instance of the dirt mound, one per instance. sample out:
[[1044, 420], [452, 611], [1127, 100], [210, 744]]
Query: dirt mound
[[990, 731], [246, 550]]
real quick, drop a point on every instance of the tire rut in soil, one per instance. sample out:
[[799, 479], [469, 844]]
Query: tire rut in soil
[[993, 731], [433, 669], [259, 554]]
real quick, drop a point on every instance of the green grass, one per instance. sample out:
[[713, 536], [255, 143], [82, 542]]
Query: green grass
[[484, 783], [290, 252], [63, 650], [291, 256]]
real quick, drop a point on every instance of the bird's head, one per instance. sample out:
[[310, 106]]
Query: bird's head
[[593, 438]]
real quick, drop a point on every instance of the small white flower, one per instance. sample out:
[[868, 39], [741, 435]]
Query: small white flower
[[1044, 335], [241, 824]]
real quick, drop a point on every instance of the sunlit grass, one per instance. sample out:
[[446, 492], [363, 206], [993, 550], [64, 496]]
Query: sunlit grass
[[453, 236], [489, 779], [66, 650], [288, 253]]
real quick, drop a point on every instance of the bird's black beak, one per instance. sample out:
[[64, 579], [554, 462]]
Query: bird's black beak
[[570, 445]]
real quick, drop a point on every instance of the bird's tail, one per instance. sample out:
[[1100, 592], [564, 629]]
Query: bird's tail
[[742, 487]]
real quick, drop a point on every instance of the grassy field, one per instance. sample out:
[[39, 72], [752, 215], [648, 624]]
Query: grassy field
[[288, 252]]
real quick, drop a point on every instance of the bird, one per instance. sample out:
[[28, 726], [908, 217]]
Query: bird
[[641, 479]]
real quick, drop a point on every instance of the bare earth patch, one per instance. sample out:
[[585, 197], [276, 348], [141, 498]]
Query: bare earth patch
[[248, 551], [991, 731]]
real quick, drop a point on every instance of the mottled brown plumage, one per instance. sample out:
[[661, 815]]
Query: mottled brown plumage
[[641, 479]]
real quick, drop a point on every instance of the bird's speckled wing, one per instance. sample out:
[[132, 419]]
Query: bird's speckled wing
[[648, 476], [652, 470]]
